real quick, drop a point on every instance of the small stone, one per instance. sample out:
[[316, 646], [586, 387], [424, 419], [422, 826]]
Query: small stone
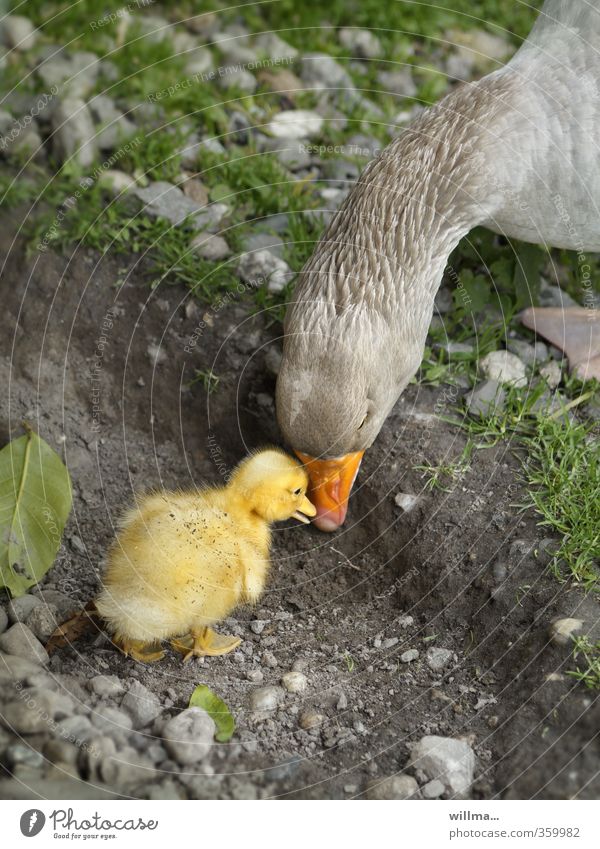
[[14, 668], [20, 641], [320, 70], [554, 296], [562, 630], [531, 354], [20, 608], [200, 62], [164, 200], [389, 642], [409, 655], [107, 686], [504, 367], [261, 267], [65, 605], [269, 660], [551, 373], [18, 32], [110, 719], [116, 182], [499, 571], [196, 190], [280, 81], [273, 358], [292, 154], [406, 501], [142, 705], [274, 46], [36, 710], [296, 124], [19, 754], [451, 761], [294, 682], [239, 78], [309, 720], [265, 699], [433, 789], [258, 626], [361, 42], [394, 787], [438, 659], [342, 702], [266, 241], [484, 50], [398, 82], [210, 247], [115, 126], [43, 621], [255, 675], [487, 399], [73, 132]]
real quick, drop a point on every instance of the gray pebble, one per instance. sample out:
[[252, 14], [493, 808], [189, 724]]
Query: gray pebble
[[106, 685], [398, 82], [262, 266], [486, 399], [269, 660], [409, 655], [438, 659], [394, 787], [108, 719], [255, 675], [35, 710], [18, 32], [258, 626], [20, 754], [294, 682], [20, 608], [43, 621], [263, 241], [142, 705], [20, 641], [73, 132], [310, 719], [265, 698], [210, 247], [188, 737], [433, 789], [451, 761]]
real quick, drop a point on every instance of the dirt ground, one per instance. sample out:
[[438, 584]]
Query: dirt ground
[[102, 371]]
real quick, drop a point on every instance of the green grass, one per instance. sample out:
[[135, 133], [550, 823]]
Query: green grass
[[589, 672], [208, 379]]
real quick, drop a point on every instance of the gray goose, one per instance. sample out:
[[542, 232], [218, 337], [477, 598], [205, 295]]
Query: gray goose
[[516, 152]]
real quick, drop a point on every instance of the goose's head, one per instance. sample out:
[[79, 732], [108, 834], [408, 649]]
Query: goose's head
[[342, 372]]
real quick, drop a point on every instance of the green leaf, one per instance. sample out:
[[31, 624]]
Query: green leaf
[[35, 502], [216, 708]]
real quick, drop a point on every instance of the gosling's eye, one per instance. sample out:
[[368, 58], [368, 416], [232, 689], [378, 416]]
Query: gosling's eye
[[297, 491]]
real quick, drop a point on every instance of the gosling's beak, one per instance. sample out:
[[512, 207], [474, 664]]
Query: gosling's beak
[[306, 510], [330, 485]]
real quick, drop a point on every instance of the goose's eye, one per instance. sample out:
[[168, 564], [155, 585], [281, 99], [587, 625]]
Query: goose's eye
[[297, 491], [363, 421]]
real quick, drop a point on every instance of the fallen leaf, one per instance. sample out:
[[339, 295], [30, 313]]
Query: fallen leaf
[[84, 622], [35, 502]]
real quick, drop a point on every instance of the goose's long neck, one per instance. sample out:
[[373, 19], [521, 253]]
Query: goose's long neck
[[389, 242]]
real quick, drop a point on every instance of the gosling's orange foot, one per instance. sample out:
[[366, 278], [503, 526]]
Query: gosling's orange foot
[[575, 330], [204, 643], [139, 650]]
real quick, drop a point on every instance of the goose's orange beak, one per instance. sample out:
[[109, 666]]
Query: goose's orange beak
[[330, 485]]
